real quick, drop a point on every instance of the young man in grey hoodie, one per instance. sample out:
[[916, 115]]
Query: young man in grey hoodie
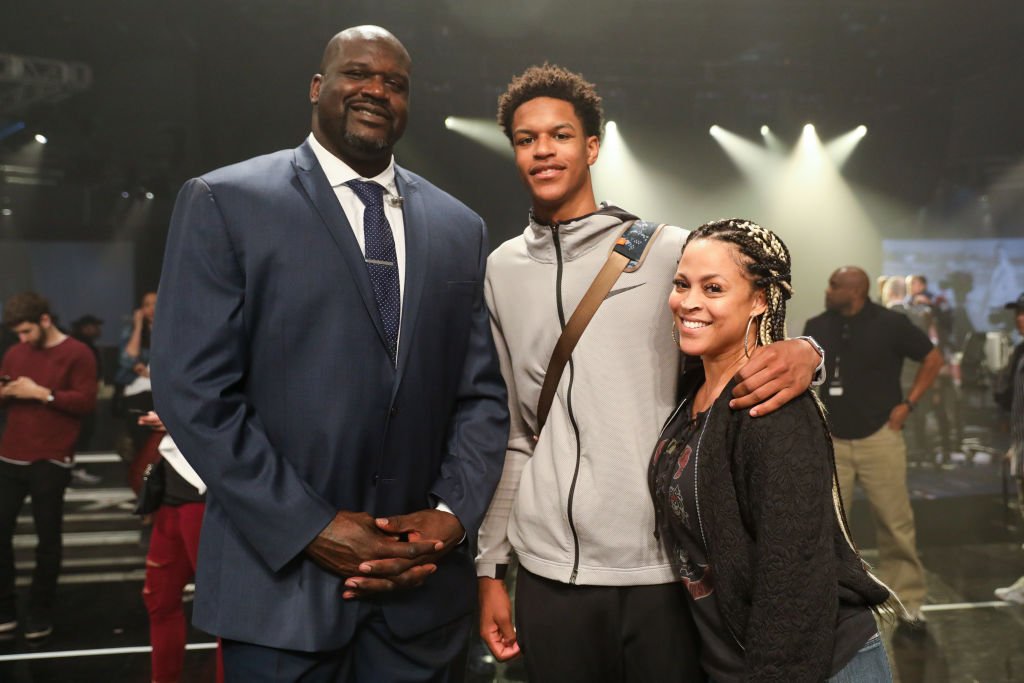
[[596, 598]]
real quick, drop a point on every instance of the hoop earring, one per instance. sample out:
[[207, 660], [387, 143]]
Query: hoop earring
[[746, 335], [675, 334]]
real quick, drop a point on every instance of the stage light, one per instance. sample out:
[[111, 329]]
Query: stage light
[[611, 127], [6, 212], [448, 122], [149, 195], [125, 195], [861, 130], [809, 128], [764, 131], [715, 130], [41, 139]]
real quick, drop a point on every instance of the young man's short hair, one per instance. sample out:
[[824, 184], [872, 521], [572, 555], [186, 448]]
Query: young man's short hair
[[25, 307], [556, 82]]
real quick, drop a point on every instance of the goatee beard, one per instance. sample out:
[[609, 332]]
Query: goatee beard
[[367, 145]]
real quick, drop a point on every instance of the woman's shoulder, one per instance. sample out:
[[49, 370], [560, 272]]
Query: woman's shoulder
[[797, 409], [800, 421]]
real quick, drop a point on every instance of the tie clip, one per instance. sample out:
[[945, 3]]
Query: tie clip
[[380, 263]]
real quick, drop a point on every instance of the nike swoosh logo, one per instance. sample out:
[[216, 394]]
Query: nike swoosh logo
[[612, 293]]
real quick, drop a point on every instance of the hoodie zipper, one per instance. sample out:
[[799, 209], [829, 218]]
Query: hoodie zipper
[[572, 416]]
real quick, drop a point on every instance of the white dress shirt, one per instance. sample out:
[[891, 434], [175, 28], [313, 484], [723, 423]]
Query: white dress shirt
[[338, 173]]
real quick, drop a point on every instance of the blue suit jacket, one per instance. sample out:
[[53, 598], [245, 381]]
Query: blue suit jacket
[[270, 370]]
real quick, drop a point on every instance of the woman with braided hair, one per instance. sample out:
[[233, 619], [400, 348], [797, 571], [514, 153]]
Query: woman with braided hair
[[749, 508]]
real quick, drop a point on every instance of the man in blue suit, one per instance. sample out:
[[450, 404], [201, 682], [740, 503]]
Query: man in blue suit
[[323, 358]]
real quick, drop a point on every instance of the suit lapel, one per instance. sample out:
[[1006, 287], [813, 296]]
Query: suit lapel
[[417, 251], [321, 194]]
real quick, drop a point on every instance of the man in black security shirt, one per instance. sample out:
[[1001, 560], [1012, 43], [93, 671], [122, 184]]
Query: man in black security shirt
[[865, 346]]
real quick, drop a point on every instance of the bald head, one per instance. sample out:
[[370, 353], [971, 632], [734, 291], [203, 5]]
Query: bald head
[[367, 33], [847, 290], [854, 278]]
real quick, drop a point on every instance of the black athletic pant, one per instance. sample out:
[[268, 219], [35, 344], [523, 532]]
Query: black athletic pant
[[606, 634], [45, 482]]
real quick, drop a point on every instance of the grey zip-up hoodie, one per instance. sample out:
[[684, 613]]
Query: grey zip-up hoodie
[[574, 505]]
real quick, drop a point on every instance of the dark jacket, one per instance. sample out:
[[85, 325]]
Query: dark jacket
[[777, 541], [272, 371], [1003, 392]]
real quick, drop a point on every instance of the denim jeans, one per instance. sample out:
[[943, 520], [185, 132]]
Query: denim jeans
[[869, 665]]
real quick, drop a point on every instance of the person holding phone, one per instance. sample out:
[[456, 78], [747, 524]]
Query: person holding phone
[[134, 389], [49, 384]]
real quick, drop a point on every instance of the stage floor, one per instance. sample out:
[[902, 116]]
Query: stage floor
[[970, 542]]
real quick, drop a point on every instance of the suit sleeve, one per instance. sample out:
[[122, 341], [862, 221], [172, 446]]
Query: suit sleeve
[[478, 429], [794, 596], [494, 548], [200, 362]]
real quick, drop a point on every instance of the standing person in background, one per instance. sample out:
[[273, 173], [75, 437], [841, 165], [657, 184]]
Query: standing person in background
[[133, 363], [87, 330], [323, 358], [933, 315], [1011, 397], [894, 293], [138, 445], [865, 347], [171, 560], [48, 385], [918, 292], [895, 298]]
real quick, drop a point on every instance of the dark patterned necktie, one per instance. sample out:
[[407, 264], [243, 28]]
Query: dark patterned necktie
[[381, 260]]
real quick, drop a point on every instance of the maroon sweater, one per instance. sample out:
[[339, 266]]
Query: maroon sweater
[[47, 431]]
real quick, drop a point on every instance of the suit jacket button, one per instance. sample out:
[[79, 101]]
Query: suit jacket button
[[393, 411]]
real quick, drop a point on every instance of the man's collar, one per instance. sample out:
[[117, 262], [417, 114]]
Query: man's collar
[[339, 173], [603, 209]]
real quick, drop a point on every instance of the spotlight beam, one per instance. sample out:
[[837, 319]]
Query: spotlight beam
[[483, 131], [840, 149], [752, 159]]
